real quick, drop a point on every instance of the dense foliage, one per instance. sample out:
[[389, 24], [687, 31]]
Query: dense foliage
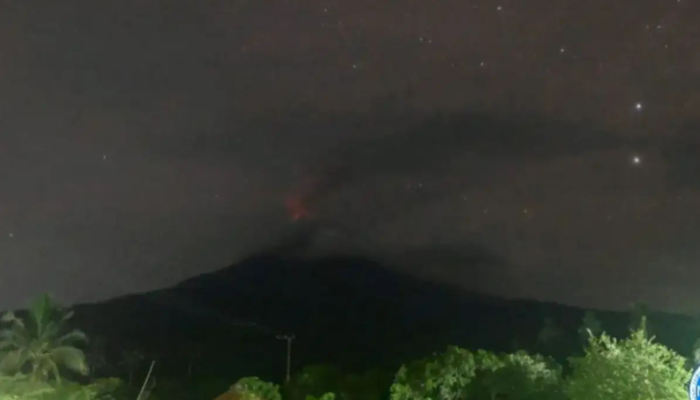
[[325, 396], [39, 343], [459, 374], [315, 381], [446, 376], [630, 369], [34, 350], [254, 388], [41, 360], [517, 376], [16, 387], [22, 387]]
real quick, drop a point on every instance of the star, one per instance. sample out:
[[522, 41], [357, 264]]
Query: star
[[638, 106], [11, 235], [636, 160]]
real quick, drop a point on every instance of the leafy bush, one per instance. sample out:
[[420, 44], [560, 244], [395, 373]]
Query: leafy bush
[[20, 387], [631, 369], [101, 389], [517, 376], [23, 387], [326, 396], [254, 388], [459, 374], [445, 376]]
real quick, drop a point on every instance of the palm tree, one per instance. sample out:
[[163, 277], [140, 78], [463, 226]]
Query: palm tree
[[38, 344]]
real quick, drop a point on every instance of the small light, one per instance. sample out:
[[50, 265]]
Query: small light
[[638, 106], [636, 160], [11, 235]]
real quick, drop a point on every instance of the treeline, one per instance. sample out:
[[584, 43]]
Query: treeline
[[633, 368], [41, 358]]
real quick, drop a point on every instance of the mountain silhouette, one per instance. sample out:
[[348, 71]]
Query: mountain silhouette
[[349, 311]]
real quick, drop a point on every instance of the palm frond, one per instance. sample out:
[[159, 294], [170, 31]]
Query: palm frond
[[75, 336], [13, 360], [8, 317], [39, 310], [71, 358], [67, 315], [17, 331]]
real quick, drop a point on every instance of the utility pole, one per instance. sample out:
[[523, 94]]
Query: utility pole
[[288, 338], [145, 382]]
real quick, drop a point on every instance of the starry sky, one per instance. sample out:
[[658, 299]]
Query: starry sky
[[536, 149]]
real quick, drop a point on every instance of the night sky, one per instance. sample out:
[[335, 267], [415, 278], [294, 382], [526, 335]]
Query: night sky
[[541, 149]]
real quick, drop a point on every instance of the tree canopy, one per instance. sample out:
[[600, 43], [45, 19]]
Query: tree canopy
[[630, 369], [40, 343]]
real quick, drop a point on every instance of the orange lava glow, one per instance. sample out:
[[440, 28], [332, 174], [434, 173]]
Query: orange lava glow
[[296, 207]]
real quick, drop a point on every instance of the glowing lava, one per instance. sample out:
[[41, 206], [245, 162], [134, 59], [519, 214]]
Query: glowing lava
[[305, 198], [296, 207]]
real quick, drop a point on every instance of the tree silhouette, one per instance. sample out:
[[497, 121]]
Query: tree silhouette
[[590, 326], [39, 342]]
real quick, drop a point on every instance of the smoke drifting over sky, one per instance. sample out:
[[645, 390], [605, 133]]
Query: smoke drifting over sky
[[523, 148]]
